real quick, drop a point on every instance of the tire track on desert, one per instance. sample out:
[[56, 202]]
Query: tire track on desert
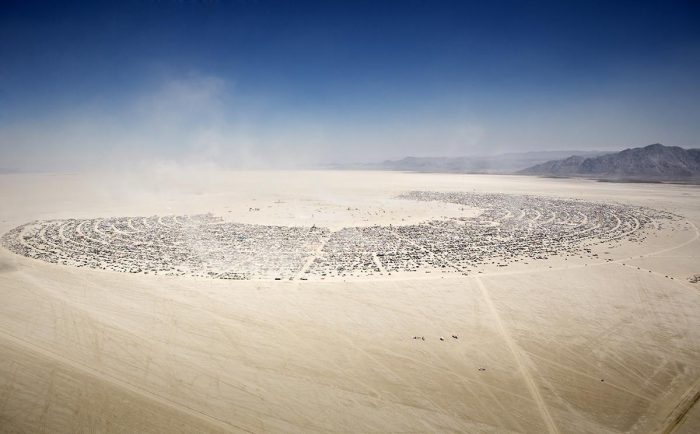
[[520, 359], [117, 382]]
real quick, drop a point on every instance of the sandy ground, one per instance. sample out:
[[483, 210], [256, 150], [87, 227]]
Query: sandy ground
[[588, 346]]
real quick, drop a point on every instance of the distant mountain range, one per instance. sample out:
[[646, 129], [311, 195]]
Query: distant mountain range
[[651, 163], [503, 163]]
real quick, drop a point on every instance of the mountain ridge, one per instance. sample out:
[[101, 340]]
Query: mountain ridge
[[506, 163], [654, 162]]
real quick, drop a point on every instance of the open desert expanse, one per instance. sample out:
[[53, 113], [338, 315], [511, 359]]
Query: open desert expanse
[[596, 330]]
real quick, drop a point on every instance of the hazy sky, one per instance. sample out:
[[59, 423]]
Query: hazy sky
[[253, 82]]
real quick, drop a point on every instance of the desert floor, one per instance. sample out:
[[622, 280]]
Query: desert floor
[[590, 346]]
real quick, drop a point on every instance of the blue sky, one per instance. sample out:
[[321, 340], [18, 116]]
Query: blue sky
[[261, 81]]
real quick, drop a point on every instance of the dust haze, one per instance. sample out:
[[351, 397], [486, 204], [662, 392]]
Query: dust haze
[[350, 216]]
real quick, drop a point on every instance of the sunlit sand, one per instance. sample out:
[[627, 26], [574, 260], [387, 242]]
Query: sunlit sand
[[598, 332]]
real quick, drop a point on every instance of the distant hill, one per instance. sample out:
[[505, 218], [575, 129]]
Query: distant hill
[[651, 163], [503, 163]]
